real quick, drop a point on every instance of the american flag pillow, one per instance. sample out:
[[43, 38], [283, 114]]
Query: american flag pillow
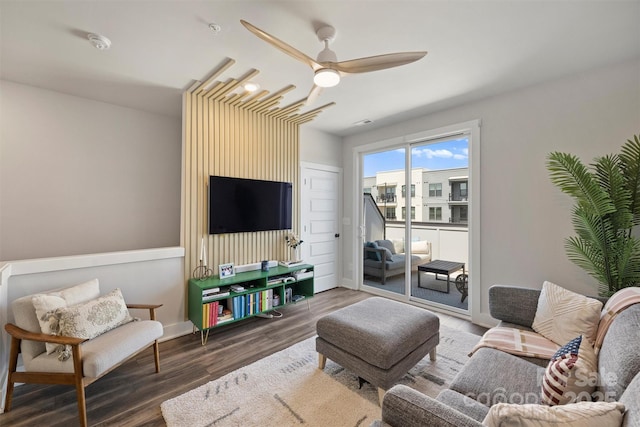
[[571, 374]]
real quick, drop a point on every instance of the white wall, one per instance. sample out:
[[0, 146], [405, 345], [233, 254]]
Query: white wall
[[524, 218], [320, 147], [79, 176]]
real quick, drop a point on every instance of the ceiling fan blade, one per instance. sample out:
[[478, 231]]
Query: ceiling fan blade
[[379, 62], [315, 92], [284, 47]]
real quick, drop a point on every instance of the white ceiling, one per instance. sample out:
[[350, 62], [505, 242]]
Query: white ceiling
[[159, 48]]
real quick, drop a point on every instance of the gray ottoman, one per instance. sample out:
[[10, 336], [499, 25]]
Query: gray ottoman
[[378, 339]]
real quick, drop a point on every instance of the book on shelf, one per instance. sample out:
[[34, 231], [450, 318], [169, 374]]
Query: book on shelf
[[215, 296], [209, 315], [237, 288], [301, 275], [289, 263], [210, 291]]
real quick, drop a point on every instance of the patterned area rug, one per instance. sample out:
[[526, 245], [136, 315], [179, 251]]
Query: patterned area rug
[[287, 388]]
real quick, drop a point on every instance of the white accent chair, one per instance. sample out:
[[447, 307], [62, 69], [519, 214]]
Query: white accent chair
[[90, 358]]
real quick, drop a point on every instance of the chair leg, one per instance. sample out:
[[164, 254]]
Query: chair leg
[[156, 353], [13, 364], [82, 404], [77, 371]]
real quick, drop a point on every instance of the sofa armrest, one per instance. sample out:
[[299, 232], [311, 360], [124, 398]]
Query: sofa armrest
[[403, 406], [380, 251], [513, 305]]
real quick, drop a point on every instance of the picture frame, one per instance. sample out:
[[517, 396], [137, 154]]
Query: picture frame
[[226, 270]]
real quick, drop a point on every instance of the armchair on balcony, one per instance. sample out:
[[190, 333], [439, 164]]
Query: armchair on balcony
[[46, 331], [384, 258]]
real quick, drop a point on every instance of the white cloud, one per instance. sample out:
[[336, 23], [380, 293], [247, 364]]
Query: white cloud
[[430, 154]]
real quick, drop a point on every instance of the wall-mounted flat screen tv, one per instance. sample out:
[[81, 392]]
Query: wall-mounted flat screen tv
[[238, 205]]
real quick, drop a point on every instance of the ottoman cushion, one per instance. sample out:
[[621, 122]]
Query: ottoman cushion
[[379, 331]]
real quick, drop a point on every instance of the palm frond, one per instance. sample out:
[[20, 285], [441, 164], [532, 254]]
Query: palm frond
[[569, 174], [630, 166], [610, 177]]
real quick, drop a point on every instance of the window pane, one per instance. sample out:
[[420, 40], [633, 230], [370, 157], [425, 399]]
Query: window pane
[[435, 190]]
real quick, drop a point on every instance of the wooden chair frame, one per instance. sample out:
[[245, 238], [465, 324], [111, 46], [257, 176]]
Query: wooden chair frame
[[76, 378]]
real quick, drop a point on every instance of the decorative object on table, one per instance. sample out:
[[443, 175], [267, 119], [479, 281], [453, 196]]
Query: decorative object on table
[[607, 196], [264, 266], [202, 272], [293, 242], [226, 270]]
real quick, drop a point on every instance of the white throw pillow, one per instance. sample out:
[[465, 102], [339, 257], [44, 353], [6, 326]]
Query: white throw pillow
[[420, 247], [44, 304], [91, 318], [581, 414], [562, 315], [398, 244]]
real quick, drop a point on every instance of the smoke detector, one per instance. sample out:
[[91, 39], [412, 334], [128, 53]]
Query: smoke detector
[[99, 42]]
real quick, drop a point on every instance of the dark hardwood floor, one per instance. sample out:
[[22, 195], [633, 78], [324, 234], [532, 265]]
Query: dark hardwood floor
[[131, 395]]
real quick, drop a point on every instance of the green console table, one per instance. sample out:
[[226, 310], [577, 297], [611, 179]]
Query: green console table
[[264, 291]]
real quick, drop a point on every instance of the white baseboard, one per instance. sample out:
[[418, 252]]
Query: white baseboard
[[348, 283], [176, 330]]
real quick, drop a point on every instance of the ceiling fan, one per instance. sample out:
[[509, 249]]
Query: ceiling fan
[[327, 69]]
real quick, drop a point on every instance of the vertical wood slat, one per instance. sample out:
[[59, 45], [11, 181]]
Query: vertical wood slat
[[236, 135]]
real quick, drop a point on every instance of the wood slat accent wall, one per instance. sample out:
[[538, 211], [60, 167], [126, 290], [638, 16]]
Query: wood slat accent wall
[[228, 132]]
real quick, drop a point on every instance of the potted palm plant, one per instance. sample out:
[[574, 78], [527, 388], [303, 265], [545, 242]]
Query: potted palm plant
[[607, 196]]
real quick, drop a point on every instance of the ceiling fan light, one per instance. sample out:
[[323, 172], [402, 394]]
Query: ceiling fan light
[[326, 77], [251, 86]]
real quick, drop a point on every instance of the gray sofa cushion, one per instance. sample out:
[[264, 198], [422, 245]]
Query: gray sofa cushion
[[502, 300], [619, 362], [464, 404], [387, 244], [394, 262], [492, 376], [631, 401]]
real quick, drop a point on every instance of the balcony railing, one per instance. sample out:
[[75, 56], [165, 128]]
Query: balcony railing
[[457, 198], [386, 198]]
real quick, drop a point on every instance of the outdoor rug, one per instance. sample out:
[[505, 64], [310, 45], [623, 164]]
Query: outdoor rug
[[287, 389]]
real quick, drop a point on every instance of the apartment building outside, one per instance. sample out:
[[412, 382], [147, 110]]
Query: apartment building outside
[[437, 196]]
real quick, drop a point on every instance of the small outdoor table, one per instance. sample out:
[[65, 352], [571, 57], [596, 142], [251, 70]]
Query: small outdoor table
[[440, 267]]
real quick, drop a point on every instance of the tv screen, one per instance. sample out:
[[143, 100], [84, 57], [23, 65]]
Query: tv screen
[[239, 205]]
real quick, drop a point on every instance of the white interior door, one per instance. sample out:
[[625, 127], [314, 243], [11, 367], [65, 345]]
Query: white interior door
[[320, 231]]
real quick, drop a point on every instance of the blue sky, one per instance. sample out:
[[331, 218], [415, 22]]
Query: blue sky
[[449, 154]]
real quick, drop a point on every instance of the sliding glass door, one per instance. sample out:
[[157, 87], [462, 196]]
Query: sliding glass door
[[415, 221], [384, 229], [439, 230]]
